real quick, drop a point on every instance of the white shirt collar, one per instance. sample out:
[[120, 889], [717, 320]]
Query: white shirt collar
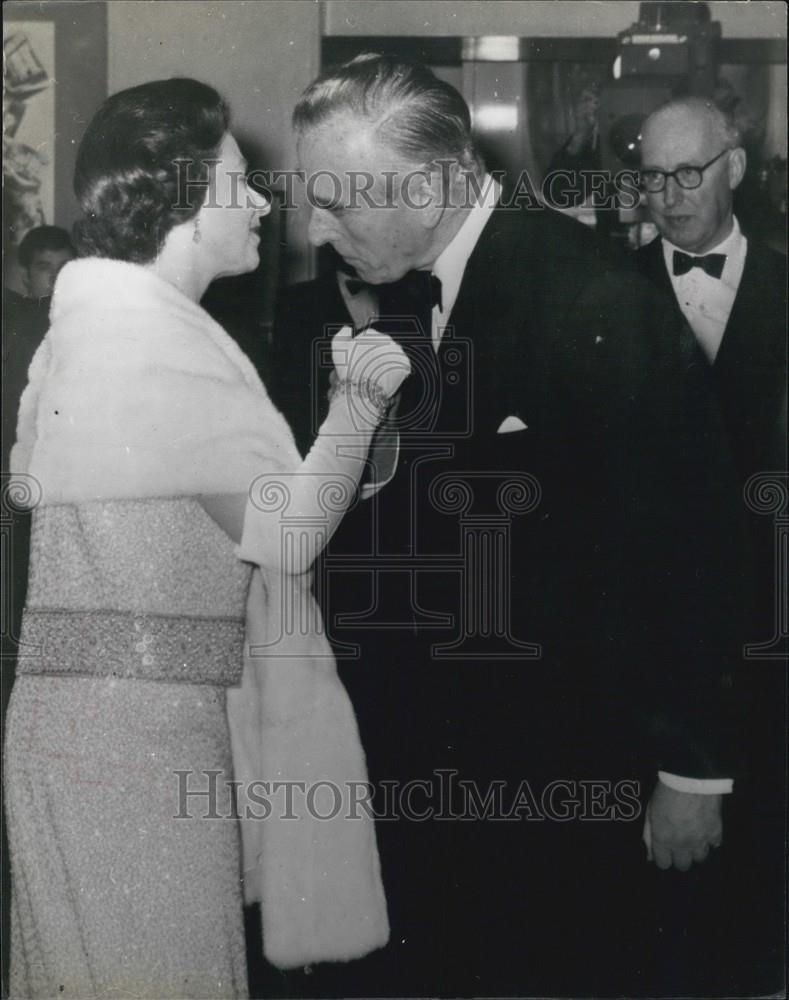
[[707, 302], [451, 262], [734, 246]]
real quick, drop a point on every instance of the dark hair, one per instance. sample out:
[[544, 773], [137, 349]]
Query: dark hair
[[42, 238], [130, 184], [414, 113]]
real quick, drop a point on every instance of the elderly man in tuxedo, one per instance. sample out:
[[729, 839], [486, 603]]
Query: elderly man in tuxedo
[[555, 403], [730, 288], [732, 292]]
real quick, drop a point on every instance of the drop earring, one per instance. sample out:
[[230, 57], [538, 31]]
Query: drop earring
[[196, 235]]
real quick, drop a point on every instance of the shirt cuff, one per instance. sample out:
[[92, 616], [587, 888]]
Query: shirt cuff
[[698, 786]]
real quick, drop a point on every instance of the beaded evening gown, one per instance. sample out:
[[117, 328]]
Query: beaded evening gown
[[124, 852]]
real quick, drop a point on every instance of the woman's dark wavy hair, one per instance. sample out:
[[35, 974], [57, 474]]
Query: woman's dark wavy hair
[[143, 166]]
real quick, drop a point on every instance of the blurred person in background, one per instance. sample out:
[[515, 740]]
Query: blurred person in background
[[41, 254], [731, 289]]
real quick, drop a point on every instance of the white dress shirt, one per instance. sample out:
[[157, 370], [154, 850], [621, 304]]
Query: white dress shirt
[[451, 263], [449, 267], [707, 302]]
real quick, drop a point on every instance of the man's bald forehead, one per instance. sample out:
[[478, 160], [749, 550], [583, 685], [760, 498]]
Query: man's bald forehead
[[693, 115]]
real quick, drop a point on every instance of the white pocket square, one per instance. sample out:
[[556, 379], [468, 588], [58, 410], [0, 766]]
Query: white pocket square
[[510, 424]]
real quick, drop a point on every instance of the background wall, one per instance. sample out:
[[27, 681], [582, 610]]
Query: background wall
[[568, 18], [262, 53], [79, 78], [260, 56]]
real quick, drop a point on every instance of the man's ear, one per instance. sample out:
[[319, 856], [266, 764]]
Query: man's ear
[[27, 284], [737, 164], [424, 191]]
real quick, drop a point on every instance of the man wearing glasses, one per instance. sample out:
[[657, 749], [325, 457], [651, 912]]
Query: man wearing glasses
[[731, 289], [732, 292]]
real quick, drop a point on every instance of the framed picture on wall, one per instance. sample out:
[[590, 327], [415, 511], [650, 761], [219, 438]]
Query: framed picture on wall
[[54, 76], [29, 126]]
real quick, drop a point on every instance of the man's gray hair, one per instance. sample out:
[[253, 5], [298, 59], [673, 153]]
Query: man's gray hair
[[413, 112], [720, 122]]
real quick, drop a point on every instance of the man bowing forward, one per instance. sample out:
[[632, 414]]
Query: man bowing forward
[[591, 640]]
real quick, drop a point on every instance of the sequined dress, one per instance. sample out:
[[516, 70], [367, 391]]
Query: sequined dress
[[124, 852]]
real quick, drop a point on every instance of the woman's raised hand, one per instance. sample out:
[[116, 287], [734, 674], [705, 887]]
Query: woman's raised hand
[[370, 356], [371, 365]]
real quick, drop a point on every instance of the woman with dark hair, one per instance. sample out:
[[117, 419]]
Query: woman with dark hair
[[152, 449]]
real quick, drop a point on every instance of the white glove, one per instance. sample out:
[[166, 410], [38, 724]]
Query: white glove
[[370, 357], [369, 369]]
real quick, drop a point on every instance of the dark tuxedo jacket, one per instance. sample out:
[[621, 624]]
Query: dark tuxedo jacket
[[750, 368], [749, 378], [625, 572]]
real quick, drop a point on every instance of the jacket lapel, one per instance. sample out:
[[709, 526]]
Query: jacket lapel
[[498, 293], [655, 266], [740, 340]]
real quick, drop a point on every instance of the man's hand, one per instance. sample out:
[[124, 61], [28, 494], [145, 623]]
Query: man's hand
[[681, 827]]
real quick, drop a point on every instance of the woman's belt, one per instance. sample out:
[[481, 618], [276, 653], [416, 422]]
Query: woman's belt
[[128, 644]]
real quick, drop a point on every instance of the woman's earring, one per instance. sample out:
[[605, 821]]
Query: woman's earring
[[196, 235]]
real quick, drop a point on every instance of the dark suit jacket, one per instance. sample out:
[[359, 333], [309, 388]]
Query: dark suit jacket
[[749, 377], [750, 368], [624, 573]]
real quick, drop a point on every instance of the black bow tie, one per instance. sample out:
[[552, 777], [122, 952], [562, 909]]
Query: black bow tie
[[712, 264], [405, 313], [412, 285]]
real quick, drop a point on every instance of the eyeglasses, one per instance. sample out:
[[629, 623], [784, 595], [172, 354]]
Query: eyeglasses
[[654, 181]]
